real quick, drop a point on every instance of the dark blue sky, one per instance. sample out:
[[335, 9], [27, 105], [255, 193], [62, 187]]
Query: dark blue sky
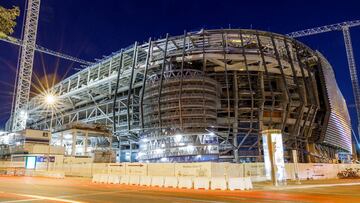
[[90, 29]]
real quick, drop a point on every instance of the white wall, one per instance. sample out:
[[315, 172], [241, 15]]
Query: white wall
[[85, 168]]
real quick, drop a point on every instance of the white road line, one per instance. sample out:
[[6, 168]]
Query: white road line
[[23, 200], [39, 197], [57, 198], [93, 194], [153, 195], [314, 186]]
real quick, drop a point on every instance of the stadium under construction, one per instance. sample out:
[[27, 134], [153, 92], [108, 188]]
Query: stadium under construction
[[201, 96]]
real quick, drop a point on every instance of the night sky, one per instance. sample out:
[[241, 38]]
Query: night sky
[[90, 29]]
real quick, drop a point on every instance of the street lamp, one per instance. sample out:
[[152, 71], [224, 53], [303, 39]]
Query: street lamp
[[50, 101]]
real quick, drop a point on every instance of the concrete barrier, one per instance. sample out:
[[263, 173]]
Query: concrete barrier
[[157, 181], [185, 182], [236, 184], [55, 174], [218, 183], [114, 179], [125, 179], [104, 178], [96, 178], [248, 183], [145, 180], [171, 182], [134, 180], [201, 183]]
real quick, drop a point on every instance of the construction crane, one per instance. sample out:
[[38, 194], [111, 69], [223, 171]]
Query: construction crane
[[44, 50], [26, 66], [344, 27], [28, 46]]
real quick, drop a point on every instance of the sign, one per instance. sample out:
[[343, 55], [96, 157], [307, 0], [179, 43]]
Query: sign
[[30, 162], [274, 156], [45, 158]]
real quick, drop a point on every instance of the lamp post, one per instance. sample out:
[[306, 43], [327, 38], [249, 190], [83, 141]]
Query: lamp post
[[50, 101]]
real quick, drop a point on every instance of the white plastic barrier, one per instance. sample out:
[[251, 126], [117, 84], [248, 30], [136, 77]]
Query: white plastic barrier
[[96, 178], [248, 183], [185, 182], [134, 180], [201, 183], [145, 180], [60, 175], [171, 182], [236, 184], [157, 181], [218, 183], [104, 178], [114, 179], [124, 179], [53, 174]]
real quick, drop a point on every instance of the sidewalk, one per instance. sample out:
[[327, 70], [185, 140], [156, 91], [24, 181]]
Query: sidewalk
[[290, 185]]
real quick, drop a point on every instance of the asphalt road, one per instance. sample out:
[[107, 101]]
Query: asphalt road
[[31, 189]]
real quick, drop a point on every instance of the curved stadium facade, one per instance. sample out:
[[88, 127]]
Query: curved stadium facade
[[207, 96]]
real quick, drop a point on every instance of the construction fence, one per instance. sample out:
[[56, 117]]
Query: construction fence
[[204, 169]]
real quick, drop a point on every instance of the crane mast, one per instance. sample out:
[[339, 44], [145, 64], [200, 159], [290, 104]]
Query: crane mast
[[353, 73], [26, 66], [344, 27]]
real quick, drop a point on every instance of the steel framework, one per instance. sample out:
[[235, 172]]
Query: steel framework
[[218, 89], [344, 27], [323, 29], [26, 65]]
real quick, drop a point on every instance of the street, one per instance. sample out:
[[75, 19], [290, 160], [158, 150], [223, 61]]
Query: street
[[35, 189]]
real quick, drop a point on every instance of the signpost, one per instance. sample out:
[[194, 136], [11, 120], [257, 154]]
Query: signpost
[[274, 156]]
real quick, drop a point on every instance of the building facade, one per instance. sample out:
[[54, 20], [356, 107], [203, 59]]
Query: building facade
[[207, 96]]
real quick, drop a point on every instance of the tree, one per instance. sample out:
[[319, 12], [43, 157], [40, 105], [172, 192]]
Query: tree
[[7, 20]]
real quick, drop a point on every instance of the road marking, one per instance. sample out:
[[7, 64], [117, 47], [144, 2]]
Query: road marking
[[38, 197], [23, 200], [314, 186], [93, 194], [57, 198], [156, 195]]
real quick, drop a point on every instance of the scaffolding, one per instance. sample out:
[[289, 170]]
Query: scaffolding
[[229, 84]]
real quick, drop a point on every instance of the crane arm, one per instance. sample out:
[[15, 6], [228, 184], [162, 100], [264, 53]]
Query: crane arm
[[41, 49], [344, 27], [322, 29]]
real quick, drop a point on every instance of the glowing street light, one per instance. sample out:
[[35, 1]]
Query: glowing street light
[[50, 99]]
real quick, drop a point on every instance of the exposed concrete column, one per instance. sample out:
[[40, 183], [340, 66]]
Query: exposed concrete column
[[130, 159], [236, 121], [86, 142], [307, 158], [261, 112], [310, 147], [62, 139], [74, 138], [354, 151]]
